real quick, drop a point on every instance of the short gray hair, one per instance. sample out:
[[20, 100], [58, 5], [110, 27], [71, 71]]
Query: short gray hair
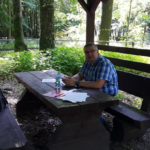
[[90, 44]]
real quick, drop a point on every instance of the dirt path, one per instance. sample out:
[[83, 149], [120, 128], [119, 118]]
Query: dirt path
[[38, 125]]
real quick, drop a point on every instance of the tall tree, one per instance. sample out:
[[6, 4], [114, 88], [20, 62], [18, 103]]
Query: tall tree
[[106, 21], [128, 22], [47, 24], [9, 19], [18, 29], [4, 17]]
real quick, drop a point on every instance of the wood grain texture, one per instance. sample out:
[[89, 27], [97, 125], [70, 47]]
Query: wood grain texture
[[11, 135], [134, 116]]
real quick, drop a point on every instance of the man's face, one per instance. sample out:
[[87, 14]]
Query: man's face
[[91, 54]]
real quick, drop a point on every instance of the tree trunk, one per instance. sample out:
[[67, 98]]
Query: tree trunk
[[26, 20], [106, 22], [36, 23], [31, 21], [33, 29], [18, 29], [47, 24], [128, 23], [9, 20]]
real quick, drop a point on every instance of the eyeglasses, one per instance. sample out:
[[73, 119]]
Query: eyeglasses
[[91, 51]]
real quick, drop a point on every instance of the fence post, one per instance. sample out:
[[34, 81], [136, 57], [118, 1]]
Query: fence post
[[132, 44]]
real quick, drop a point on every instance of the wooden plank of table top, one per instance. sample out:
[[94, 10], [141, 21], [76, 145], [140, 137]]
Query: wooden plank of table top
[[38, 88], [90, 103], [42, 75], [53, 73], [104, 99]]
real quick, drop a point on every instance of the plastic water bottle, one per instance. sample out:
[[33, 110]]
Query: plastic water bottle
[[58, 82]]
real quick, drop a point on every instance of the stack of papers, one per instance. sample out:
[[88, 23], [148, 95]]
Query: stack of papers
[[75, 97], [70, 96]]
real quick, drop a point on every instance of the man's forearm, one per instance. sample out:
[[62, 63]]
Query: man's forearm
[[77, 77], [92, 84]]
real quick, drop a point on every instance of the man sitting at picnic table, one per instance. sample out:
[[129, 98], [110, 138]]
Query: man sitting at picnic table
[[97, 71]]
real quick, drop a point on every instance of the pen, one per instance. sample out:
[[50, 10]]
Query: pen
[[59, 94]]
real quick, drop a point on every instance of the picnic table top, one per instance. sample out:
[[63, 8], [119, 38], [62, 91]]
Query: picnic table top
[[32, 81]]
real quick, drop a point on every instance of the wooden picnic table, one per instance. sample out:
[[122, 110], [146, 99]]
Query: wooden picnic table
[[80, 128]]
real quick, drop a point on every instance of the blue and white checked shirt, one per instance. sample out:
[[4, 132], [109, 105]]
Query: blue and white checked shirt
[[102, 69]]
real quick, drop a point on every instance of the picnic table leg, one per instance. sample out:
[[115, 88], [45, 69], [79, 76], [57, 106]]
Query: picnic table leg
[[27, 101], [80, 131]]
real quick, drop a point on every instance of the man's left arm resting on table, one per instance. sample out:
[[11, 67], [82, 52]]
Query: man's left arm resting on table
[[98, 84], [89, 84]]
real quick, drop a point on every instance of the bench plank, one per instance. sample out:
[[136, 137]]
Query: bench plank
[[11, 135], [131, 114], [126, 50], [130, 64]]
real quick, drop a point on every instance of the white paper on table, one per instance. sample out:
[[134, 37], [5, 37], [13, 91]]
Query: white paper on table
[[75, 97], [49, 80], [53, 81]]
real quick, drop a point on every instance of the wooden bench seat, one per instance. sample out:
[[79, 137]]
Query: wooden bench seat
[[11, 135], [136, 117], [129, 122]]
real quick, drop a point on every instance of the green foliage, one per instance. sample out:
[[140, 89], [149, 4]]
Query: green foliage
[[4, 16], [67, 60], [30, 4], [140, 17], [64, 59], [11, 62], [119, 96], [138, 102], [65, 18]]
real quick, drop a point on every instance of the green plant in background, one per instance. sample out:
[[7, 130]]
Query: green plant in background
[[64, 59], [119, 96], [11, 62], [138, 102], [67, 60]]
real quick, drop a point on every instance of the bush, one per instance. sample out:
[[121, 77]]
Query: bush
[[23, 61], [67, 60]]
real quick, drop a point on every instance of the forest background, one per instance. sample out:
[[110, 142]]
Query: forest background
[[129, 26], [130, 18]]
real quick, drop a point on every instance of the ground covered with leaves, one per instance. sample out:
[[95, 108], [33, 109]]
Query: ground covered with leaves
[[38, 125]]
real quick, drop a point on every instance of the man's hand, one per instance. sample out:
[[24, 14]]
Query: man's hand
[[69, 81]]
